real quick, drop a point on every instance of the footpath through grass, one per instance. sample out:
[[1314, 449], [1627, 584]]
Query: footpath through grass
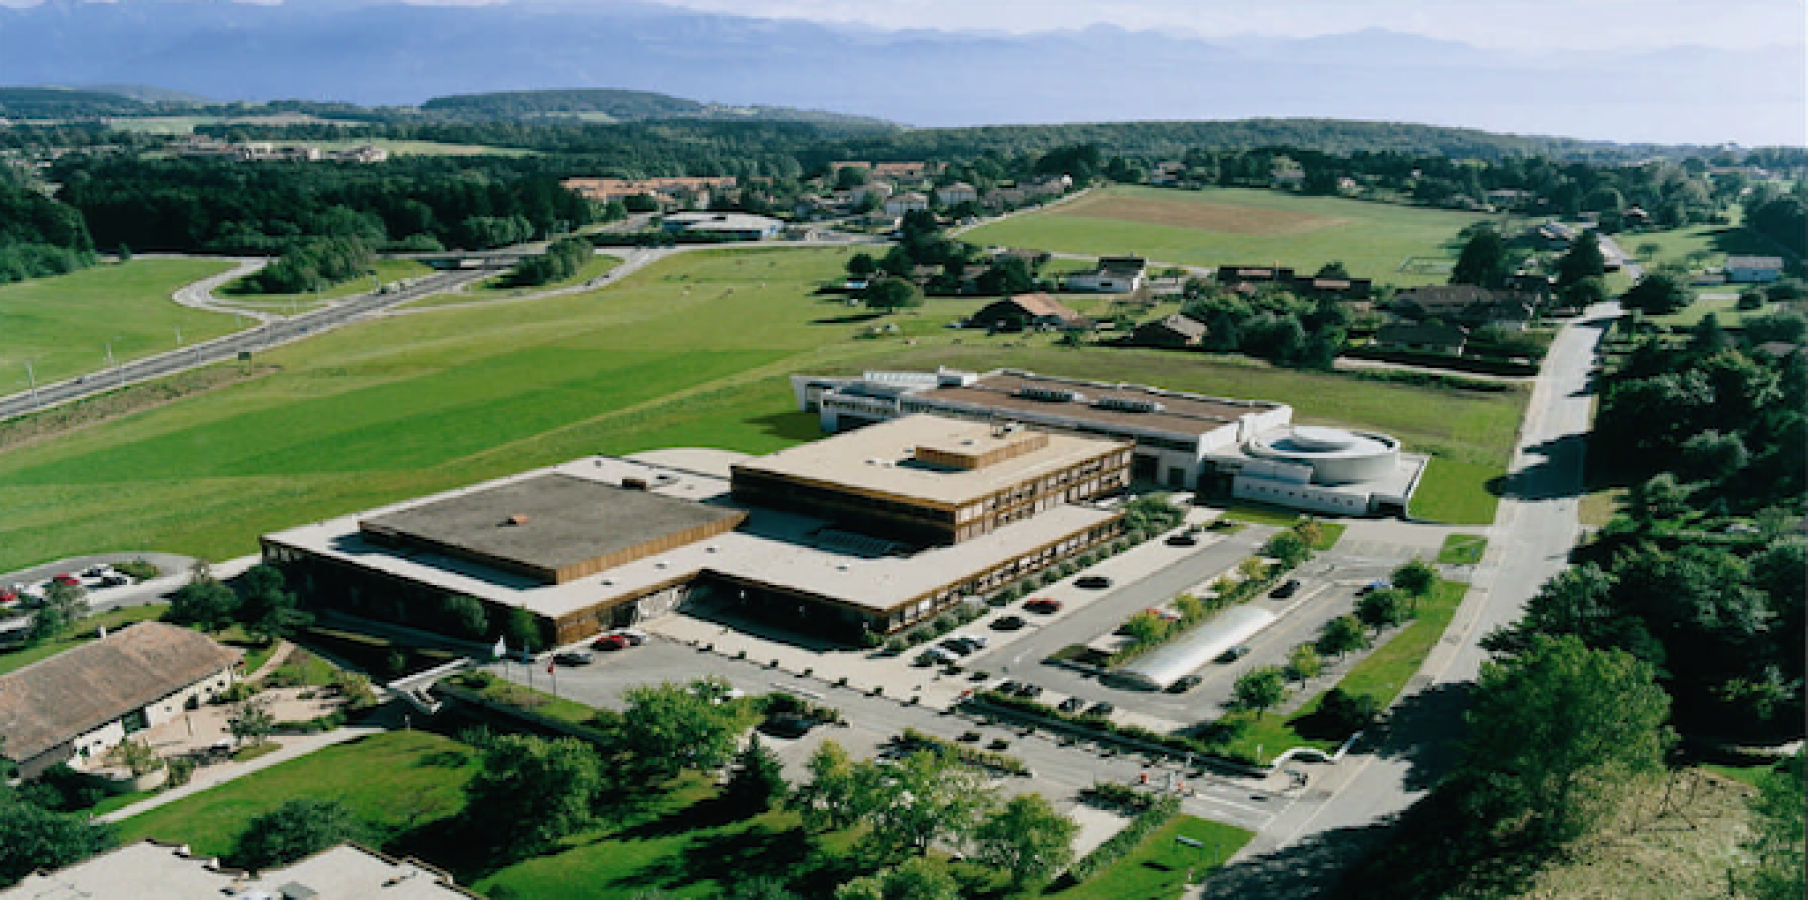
[[1158, 868], [62, 325]]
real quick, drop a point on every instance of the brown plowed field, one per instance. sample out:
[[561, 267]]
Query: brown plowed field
[[1198, 216]]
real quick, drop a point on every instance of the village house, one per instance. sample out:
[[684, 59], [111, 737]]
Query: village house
[[1025, 312], [78, 704], [1170, 331], [956, 193], [1753, 269], [1440, 338], [906, 202], [1113, 275]]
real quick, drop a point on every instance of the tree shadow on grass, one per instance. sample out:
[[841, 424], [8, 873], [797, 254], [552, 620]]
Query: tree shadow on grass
[[711, 812], [849, 319], [733, 856], [794, 426]]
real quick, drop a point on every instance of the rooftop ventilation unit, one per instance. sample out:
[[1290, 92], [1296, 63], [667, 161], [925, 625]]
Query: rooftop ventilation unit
[[1050, 395], [1128, 404]]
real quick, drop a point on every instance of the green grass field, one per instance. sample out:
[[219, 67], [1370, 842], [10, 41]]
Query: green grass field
[[390, 782], [1456, 492], [494, 289], [693, 351], [1157, 869], [1462, 549], [62, 325], [1372, 239], [387, 270]]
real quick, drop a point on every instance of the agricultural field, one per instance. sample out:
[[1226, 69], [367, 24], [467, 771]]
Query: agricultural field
[[692, 351], [1224, 226], [62, 325]]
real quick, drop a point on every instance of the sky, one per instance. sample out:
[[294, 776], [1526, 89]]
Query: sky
[[1531, 25], [1617, 25]]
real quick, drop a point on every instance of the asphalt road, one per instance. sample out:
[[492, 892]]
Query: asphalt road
[[1534, 531], [263, 337]]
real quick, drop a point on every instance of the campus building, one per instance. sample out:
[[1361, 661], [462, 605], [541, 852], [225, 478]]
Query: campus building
[[872, 531], [1246, 449], [150, 870], [78, 704]]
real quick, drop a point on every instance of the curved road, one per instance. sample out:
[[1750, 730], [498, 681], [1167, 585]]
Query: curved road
[[1534, 531]]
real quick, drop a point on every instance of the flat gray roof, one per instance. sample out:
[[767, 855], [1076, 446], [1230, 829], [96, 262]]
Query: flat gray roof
[[878, 459], [548, 521], [1181, 413], [778, 549]]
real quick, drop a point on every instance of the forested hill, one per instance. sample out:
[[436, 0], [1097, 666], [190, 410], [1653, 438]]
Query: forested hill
[[616, 105], [61, 103]]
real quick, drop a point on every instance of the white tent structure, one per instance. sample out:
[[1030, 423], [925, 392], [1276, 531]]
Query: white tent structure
[[1158, 670]]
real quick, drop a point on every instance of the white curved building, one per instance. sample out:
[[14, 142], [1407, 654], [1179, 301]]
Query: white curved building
[[1321, 469]]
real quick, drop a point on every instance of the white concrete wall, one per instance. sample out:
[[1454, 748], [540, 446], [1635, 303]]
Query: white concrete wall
[[1300, 496]]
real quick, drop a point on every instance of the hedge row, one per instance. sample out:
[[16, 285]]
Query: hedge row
[[972, 756], [1120, 844], [1101, 725]]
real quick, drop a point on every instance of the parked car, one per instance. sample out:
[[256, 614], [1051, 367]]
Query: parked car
[[1072, 705], [1234, 653], [1184, 684], [67, 579], [1043, 605], [1287, 589], [1008, 686], [788, 725], [94, 572], [955, 646], [1093, 582], [114, 580], [977, 640], [635, 637], [612, 642], [1030, 691], [1182, 539], [574, 658], [935, 655], [1007, 623], [1101, 709], [1372, 587]]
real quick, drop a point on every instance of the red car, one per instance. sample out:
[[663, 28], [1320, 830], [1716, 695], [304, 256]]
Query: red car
[[611, 642], [67, 579], [1043, 605]]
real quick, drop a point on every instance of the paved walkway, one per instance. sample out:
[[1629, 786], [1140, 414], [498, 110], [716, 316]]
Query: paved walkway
[[210, 776]]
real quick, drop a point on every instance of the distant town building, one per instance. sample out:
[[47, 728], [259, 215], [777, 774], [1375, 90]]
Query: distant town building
[[1113, 275], [724, 226], [1170, 331], [1023, 311], [1753, 269], [956, 193], [604, 190], [907, 202]]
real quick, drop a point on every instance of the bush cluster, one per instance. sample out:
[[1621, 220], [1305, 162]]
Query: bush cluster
[[562, 259], [314, 264], [972, 756], [1178, 743]]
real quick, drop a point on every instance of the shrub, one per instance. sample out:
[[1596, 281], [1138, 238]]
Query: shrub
[[138, 569], [181, 769], [1156, 815]]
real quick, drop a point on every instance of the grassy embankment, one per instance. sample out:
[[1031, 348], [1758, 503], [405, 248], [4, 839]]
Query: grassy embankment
[[62, 325]]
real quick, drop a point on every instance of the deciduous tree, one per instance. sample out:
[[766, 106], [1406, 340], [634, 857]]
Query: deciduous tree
[[1341, 635], [533, 791], [1555, 731], [669, 727], [1027, 838], [299, 828], [1260, 688]]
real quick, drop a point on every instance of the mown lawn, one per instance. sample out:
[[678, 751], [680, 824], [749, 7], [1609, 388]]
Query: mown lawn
[[1381, 675], [1371, 239], [694, 351], [391, 782], [1462, 549], [1157, 869], [1458, 492], [62, 325]]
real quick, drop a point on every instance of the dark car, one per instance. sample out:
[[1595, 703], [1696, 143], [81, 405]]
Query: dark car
[[1183, 539], [1007, 623], [1234, 653], [1286, 590], [574, 658], [787, 725], [1184, 684], [115, 581], [1043, 605], [1029, 691], [1093, 582], [1101, 709], [1072, 705]]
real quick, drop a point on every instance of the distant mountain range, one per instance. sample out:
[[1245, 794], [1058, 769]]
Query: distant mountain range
[[398, 54]]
